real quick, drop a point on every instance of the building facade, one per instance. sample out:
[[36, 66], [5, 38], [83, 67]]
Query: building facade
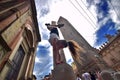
[[110, 51], [88, 54], [19, 37]]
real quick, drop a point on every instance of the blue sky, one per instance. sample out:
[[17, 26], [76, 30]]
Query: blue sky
[[92, 18]]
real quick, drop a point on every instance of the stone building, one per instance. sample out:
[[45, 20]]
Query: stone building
[[110, 51], [89, 55], [19, 37]]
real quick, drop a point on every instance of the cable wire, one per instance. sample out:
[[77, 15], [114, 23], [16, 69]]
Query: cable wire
[[88, 9], [81, 13], [85, 12], [114, 9]]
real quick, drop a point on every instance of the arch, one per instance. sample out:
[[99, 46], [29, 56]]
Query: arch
[[30, 35]]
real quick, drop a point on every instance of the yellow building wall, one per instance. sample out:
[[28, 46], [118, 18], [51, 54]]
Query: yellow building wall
[[15, 33]]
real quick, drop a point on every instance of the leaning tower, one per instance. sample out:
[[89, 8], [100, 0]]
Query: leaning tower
[[88, 59]]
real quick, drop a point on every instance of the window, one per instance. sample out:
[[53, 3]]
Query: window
[[114, 61], [16, 64], [2, 52]]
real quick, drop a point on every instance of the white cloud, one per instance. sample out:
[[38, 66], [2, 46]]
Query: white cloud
[[66, 9], [103, 22], [37, 60], [82, 19], [51, 55], [115, 17], [86, 26], [97, 1], [43, 42], [37, 49]]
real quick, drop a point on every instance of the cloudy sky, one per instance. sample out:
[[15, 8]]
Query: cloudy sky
[[92, 18]]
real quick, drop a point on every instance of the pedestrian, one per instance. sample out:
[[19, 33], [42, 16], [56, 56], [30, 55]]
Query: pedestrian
[[92, 75], [86, 76], [78, 77], [98, 75]]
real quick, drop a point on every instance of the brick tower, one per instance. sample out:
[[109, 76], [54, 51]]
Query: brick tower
[[88, 55]]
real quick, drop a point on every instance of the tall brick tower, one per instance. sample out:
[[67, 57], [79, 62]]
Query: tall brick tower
[[88, 55]]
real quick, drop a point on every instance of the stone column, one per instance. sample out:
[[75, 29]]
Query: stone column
[[62, 55], [62, 71]]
